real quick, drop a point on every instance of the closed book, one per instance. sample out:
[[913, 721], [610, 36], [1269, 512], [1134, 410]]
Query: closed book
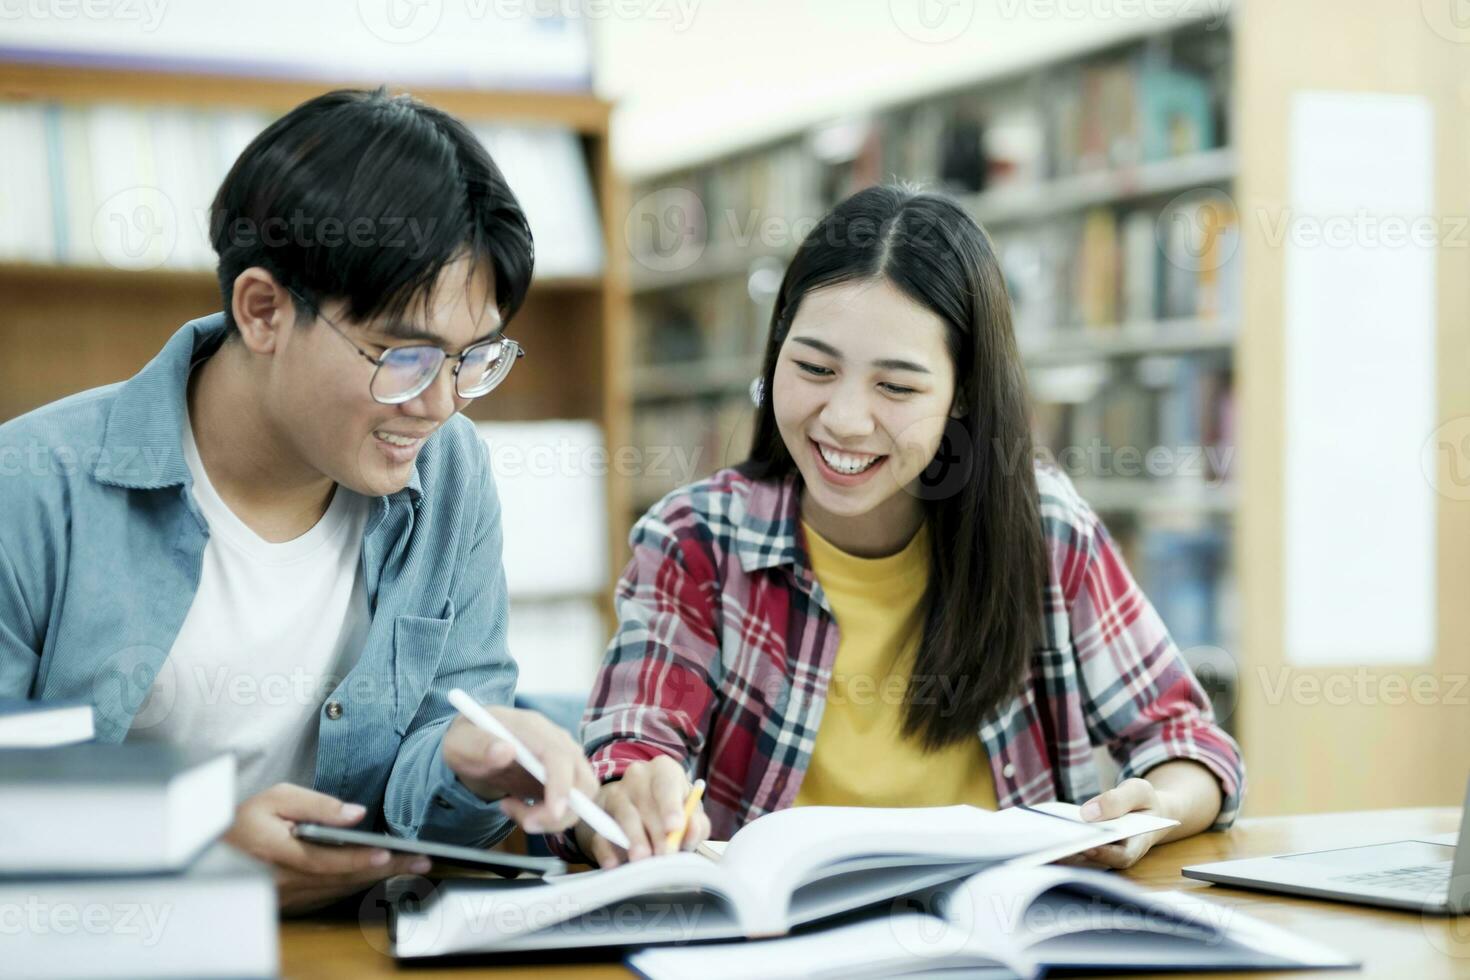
[[41, 724], [111, 809], [215, 918]]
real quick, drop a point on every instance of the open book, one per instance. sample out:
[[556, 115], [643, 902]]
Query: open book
[[1009, 921], [787, 868]]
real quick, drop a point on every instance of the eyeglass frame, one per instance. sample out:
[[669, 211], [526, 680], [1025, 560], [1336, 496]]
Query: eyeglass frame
[[516, 352]]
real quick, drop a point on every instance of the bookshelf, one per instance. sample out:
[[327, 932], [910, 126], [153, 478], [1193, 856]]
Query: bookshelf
[[1125, 330], [1042, 158], [110, 321]]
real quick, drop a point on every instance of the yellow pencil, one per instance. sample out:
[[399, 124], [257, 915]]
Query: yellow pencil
[[676, 837]]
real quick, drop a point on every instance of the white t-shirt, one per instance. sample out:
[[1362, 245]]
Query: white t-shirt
[[272, 630]]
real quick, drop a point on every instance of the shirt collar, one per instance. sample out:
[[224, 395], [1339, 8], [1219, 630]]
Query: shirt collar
[[767, 535], [143, 447]]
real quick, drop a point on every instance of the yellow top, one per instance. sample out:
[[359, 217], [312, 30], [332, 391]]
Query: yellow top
[[860, 757]]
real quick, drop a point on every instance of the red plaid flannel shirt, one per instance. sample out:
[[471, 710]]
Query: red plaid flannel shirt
[[726, 643]]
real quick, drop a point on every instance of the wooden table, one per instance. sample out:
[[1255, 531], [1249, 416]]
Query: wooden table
[[1390, 943]]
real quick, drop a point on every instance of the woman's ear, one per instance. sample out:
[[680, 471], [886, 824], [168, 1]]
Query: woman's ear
[[959, 408]]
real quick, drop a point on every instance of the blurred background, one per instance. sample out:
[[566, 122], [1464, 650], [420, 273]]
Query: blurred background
[[1237, 239]]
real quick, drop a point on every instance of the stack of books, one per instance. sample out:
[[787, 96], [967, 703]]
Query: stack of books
[[111, 866]]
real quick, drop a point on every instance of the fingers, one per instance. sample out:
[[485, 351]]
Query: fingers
[[302, 805], [554, 813], [1117, 856], [1127, 796], [699, 829], [622, 809]]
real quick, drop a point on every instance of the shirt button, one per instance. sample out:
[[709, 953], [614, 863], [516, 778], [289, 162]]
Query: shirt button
[[1009, 770], [442, 803], [334, 710]]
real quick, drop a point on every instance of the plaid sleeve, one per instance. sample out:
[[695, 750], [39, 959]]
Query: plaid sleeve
[[656, 688], [1140, 698]]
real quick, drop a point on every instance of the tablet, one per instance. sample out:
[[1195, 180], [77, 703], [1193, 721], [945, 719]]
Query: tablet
[[500, 862]]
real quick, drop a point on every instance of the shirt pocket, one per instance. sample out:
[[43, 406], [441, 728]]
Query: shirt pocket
[[418, 648]]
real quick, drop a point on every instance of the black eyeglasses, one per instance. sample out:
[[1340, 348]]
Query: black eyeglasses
[[403, 373]]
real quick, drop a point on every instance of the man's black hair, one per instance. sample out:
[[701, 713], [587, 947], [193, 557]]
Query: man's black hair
[[366, 197]]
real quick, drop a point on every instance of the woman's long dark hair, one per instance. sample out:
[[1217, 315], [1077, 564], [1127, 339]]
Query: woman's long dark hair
[[988, 560]]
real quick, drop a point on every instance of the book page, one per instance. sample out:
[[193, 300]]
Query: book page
[[782, 851]]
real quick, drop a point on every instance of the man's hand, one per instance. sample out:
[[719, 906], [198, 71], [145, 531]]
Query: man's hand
[[487, 766], [648, 803], [307, 875], [1129, 796]]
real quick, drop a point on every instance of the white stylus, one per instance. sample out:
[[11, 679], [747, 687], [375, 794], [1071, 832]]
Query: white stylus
[[596, 817]]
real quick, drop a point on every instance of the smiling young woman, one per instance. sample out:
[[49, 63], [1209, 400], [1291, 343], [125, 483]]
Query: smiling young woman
[[888, 604]]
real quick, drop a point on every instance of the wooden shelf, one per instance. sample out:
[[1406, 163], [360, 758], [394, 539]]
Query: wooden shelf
[[582, 112], [1139, 339], [71, 274], [1047, 198]]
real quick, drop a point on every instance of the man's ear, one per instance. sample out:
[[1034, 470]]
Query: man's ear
[[262, 308]]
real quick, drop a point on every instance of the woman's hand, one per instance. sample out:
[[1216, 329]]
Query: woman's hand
[[1129, 796], [311, 875], [648, 803]]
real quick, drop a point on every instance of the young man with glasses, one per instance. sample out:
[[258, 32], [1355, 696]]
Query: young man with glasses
[[283, 539]]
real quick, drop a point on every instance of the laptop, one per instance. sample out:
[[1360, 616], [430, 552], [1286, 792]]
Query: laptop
[[1427, 875]]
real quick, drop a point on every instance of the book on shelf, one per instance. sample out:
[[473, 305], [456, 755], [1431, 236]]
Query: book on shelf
[[1010, 922], [130, 186], [780, 871]]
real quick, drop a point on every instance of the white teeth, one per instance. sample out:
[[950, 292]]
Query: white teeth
[[845, 462], [395, 440]]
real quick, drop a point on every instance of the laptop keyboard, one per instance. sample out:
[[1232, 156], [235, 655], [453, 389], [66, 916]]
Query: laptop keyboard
[[1423, 878]]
